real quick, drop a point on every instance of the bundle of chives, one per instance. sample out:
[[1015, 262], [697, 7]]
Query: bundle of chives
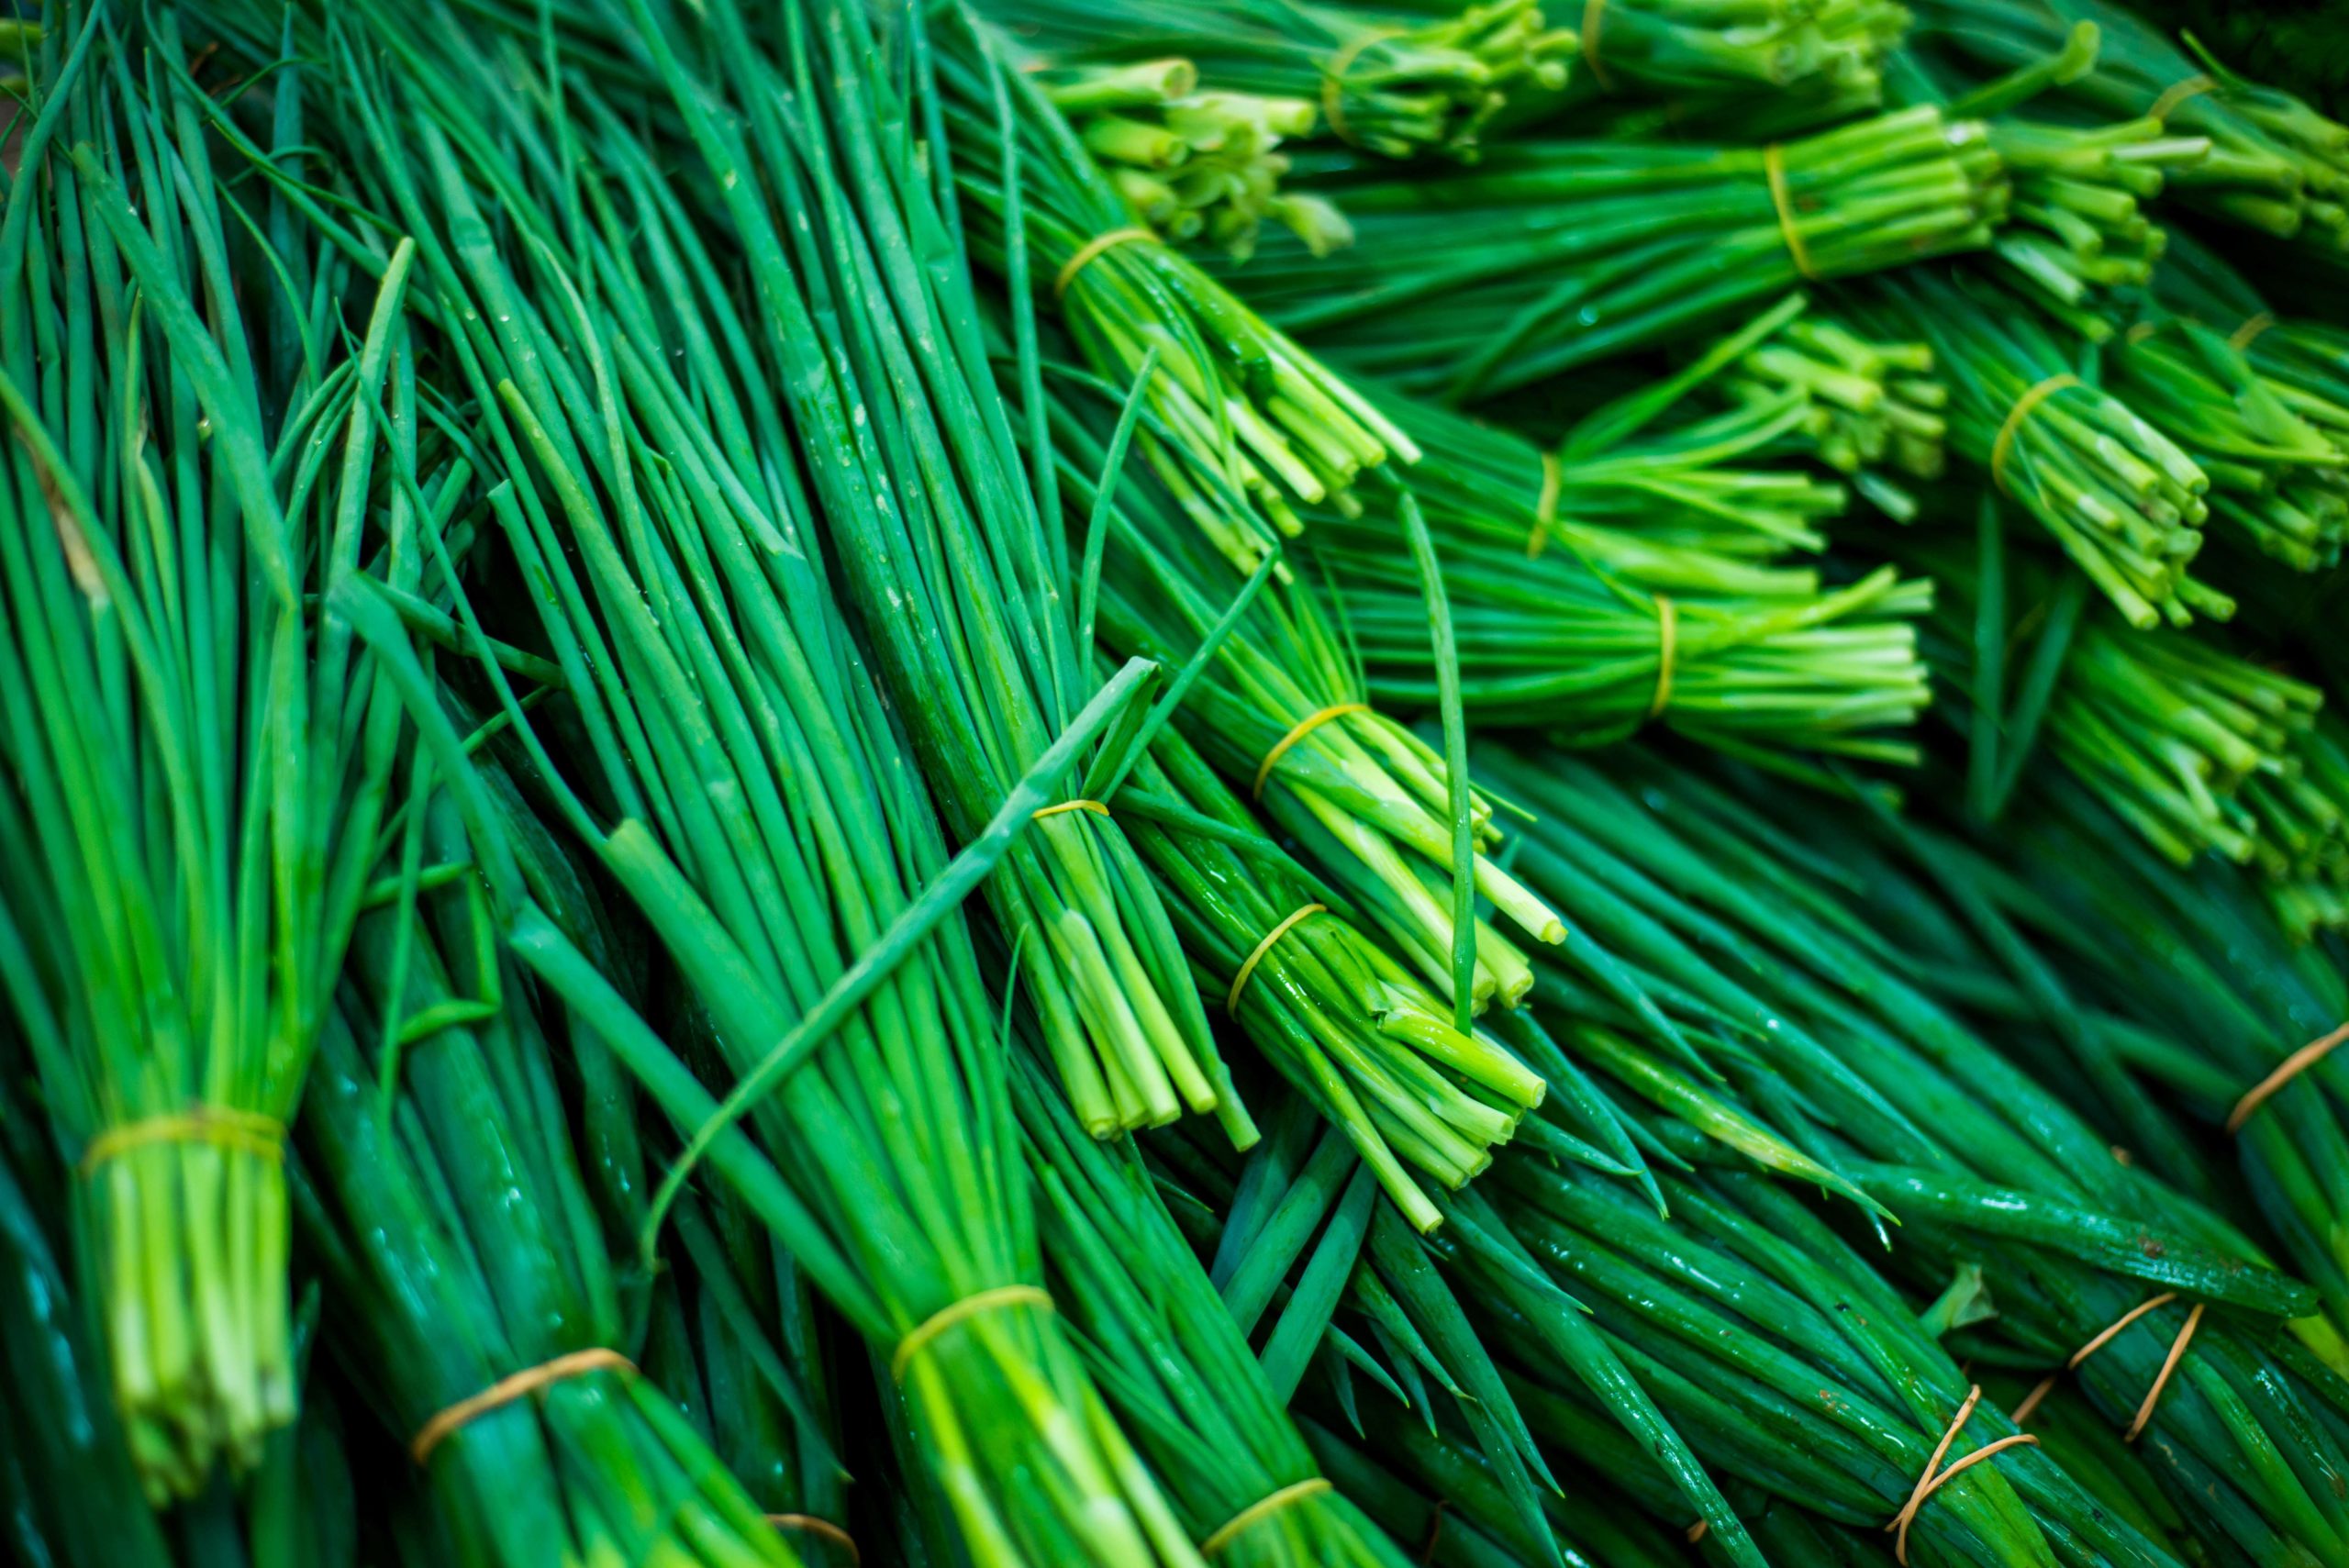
[[1867, 406], [1405, 1326], [2309, 357], [473, 1299], [1280, 707], [960, 581], [1996, 1172], [197, 766], [2275, 163], [1684, 507], [1193, 163], [1244, 400], [2123, 501], [735, 1339], [2078, 226], [1552, 255], [2199, 990], [1555, 644], [2278, 455], [769, 822], [1827, 54], [1392, 77], [2175, 735], [1172, 1361], [1370, 1047]]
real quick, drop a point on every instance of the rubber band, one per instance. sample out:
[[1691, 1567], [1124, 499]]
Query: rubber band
[[1773, 164], [811, 1525], [1239, 981], [2179, 92], [1043, 811], [2140, 332], [1935, 1477], [953, 1312], [2148, 1304], [1435, 1532], [1696, 1532], [1095, 247], [1333, 79], [1667, 642], [1261, 1508], [1594, 21], [2005, 441], [261, 1136], [1545, 508], [2248, 333], [1304, 727], [2031, 1401], [507, 1390], [2290, 1068], [2170, 1364], [2152, 1303]]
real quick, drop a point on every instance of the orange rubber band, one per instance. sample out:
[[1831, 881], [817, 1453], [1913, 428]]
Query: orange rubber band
[[2005, 441], [2170, 1364], [1594, 21], [1773, 164], [507, 1390], [811, 1525], [1239, 981], [2150, 1303], [2031, 1401], [1043, 811], [1545, 508], [2290, 1068], [1696, 1532], [1935, 1477], [1304, 727], [1092, 248], [1295, 1493]]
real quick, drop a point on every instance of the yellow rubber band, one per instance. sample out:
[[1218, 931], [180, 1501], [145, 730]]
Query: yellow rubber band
[[946, 1317], [2140, 332], [1773, 164], [2150, 1303], [2005, 441], [2179, 92], [2248, 333], [2290, 1068], [2169, 1365], [1333, 79], [1261, 1508], [811, 1525], [1594, 21], [261, 1136], [1091, 248], [507, 1390], [1095, 807], [1239, 981], [1305, 727], [1546, 510], [1667, 643]]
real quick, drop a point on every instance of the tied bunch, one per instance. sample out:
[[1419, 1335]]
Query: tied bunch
[[1394, 79], [1195, 164], [2275, 164], [2124, 501], [1822, 59], [1552, 255], [1235, 394], [2079, 228]]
